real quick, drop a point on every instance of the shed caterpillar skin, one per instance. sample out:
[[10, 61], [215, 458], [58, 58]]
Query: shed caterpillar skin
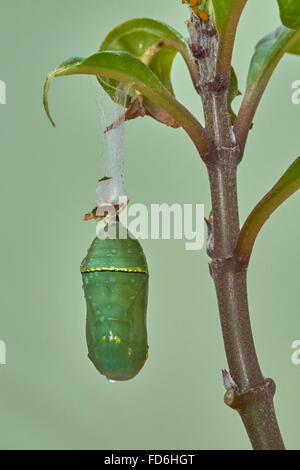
[[115, 282]]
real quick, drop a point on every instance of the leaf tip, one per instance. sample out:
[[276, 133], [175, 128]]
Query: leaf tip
[[47, 85], [59, 70]]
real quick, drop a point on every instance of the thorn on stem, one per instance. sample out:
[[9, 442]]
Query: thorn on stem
[[228, 381]]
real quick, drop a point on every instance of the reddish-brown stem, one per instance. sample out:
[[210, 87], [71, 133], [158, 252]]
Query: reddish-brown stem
[[253, 396]]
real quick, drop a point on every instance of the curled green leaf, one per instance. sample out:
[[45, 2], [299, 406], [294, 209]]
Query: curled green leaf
[[126, 68], [66, 64], [148, 39], [288, 184], [156, 45], [290, 13]]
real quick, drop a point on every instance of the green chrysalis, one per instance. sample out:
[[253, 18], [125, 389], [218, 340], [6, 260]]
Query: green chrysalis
[[115, 282]]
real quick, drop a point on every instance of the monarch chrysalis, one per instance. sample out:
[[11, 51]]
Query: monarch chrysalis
[[114, 272], [115, 282]]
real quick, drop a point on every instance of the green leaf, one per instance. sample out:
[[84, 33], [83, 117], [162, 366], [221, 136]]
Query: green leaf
[[156, 45], [290, 13], [147, 40], [126, 68], [288, 184], [267, 55], [233, 92], [295, 49], [267, 52]]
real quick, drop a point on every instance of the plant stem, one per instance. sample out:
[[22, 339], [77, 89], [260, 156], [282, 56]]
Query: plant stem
[[253, 397]]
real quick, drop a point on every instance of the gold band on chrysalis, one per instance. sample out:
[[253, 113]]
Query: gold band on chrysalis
[[114, 270]]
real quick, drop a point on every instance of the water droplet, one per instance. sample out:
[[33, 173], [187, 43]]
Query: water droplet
[[112, 381]]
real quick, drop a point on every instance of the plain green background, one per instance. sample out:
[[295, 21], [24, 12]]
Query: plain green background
[[51, 396]]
